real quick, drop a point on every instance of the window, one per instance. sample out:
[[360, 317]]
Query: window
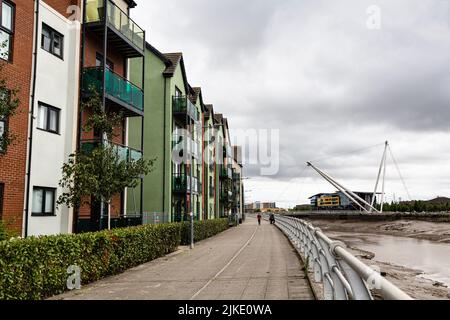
[[43, 201], [52, 41], [48, 118], [2, 188], [6, 29], [178, 92], [99, 62], [4, 96]]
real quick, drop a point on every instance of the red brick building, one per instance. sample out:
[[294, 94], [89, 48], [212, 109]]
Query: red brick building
[[17, 24]]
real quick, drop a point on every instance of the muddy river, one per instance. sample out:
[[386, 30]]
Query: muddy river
[[432, 258]]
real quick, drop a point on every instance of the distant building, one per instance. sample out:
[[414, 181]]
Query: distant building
[[338, 201], [261, 206]]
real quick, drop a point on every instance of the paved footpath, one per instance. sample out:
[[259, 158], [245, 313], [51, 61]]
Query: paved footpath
[[249, 262]]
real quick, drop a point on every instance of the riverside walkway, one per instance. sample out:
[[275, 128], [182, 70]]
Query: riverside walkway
[[249, 262]]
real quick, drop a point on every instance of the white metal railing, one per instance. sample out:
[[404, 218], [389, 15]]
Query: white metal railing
[[343, 276]]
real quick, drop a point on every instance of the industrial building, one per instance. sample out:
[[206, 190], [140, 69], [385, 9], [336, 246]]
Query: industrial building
[[338, 201]]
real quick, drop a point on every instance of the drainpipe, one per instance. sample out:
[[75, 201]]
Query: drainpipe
[[30, 130], [164, 152]]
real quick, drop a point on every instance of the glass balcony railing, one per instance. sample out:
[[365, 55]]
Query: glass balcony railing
[[182, 182], [117, 19], [227, 151], [116, 86], [179, 142], [182, 104], [226, 173], [125, 153]]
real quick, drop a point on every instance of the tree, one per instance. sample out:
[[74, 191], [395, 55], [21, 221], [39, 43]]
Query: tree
[[101, 172], [9, 103]]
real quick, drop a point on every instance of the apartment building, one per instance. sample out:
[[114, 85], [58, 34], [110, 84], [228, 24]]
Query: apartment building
[[172, 132], [16, 33], [53, 125], [111, 40], [209, 166], [238, 200], [61, 53]]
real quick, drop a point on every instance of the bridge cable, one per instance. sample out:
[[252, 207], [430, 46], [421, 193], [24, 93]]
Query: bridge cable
[[347, 153], [399, 173]]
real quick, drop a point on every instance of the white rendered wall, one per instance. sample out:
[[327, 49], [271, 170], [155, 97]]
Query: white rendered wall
[[56, 85]]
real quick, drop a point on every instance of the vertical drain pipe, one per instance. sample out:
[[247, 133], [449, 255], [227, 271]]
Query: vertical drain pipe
[[31, 118]]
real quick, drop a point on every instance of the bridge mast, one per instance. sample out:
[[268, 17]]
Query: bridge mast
[[381, 170]]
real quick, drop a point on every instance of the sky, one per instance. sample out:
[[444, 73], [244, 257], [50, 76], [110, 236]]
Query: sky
[[332, 80]]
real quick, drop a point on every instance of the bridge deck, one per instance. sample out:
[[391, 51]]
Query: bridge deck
[[244, 263]]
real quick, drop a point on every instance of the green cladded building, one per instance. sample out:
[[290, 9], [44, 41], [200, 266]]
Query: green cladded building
[[189, 144]]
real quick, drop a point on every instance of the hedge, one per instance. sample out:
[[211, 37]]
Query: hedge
[[202, 230], [36, 268]]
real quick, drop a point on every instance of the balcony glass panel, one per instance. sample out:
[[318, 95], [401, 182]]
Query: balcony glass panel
[[116, 19], [184, 105], [125, 153], [116, 86]]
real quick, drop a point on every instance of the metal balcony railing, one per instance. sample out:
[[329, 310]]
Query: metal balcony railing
[[227, 151], [182, 182], [117, 19], [125, 153], [191, 147], [117, 87], [226, 173], [183, 105], [343, 276]]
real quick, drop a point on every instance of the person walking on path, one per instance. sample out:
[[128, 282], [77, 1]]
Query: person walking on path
[[272, 218], [259, 218]]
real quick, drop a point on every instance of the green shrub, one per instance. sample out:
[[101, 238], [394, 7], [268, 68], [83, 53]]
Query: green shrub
[[5, 232], [202, 229], [36, 268]]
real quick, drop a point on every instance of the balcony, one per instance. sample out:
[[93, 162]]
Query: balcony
[[226, 173], [182, 143], [227, 151], [183, 183], [226, 196], [119, 91], [125, 153], [124, 35], [183, 107]]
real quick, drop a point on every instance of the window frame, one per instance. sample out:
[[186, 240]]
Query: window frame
[[9, 32], [47, 124], [43, 213], [5, 120], [52, 33], [99, 58]]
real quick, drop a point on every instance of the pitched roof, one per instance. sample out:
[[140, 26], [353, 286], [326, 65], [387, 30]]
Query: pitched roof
[[175, 59], [131, 3], [196, 93], [209, 109], [218, 117]]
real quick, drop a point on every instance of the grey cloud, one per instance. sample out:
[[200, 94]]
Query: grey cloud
[[313, 70]]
